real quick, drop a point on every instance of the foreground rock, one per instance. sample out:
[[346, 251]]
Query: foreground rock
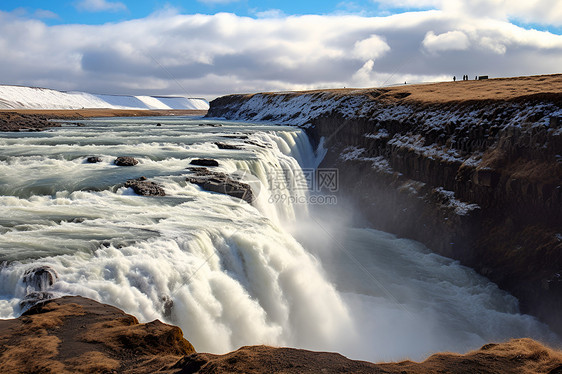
[[221, 183], [78, 335], [144, 187], [471, 169]]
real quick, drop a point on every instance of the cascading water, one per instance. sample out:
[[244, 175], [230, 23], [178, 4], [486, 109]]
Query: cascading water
[[227, 272]]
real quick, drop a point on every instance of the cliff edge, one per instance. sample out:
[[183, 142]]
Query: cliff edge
[[473, 169]]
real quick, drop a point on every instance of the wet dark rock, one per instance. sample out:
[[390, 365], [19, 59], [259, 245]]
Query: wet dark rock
[[125, 161], [93, 159], [221, 183], [167, 306], [38, 281], [235, 136], [253, 142], [158, 124], [222, 145], [34, 298], [204, 162], [143, 187], [40, 278]]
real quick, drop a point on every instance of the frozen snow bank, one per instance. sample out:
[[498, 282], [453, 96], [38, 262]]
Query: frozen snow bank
[[18, 97]]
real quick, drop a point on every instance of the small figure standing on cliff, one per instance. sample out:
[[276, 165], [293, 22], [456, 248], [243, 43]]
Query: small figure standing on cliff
[[454, 78]]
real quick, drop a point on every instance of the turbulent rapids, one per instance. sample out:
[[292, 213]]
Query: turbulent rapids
[[227, 272]]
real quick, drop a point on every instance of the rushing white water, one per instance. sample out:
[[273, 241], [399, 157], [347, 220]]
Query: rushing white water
[[227, 272]]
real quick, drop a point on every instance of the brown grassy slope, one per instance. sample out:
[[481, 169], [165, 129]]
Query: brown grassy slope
[[472, 90], [78, 335], [522, 356]]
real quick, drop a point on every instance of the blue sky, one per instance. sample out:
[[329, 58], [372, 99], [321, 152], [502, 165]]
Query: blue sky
[[214, 47], [77, 11]]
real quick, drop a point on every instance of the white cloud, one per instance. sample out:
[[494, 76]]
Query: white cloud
[[370, 48], [363, 76], [211, 55], [271, 13], [45, 14], [493, 45], [100, 6], [448, 41], [545, 12]]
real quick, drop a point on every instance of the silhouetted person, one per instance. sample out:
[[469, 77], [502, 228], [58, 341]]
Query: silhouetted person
[[454, 78]]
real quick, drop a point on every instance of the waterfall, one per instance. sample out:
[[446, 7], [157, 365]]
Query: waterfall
[[227, 272]]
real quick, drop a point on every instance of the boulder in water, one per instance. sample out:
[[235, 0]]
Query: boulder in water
[[38, 281], [253, 142], [222, 145], [143, 187], [125, 161], [221, 183], [40, 278], [204, 162], [93, 159]]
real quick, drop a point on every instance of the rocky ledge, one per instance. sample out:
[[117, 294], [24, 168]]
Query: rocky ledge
[[78, 335], [11, 121], [472, 169]]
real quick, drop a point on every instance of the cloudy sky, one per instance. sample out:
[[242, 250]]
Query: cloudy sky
[[207, 48]]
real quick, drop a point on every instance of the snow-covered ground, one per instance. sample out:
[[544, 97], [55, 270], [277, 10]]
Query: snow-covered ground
[[18, 97], [301, 109]]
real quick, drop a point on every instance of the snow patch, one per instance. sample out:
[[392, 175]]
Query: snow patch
[[432, 151], [381, 134], [351, 153], [449, 201], [19, 97]]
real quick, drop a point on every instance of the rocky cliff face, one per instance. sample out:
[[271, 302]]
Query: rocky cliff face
[[478, 180]]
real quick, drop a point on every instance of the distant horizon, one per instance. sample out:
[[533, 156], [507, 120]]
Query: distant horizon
[[209, 48], [263, 91]]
